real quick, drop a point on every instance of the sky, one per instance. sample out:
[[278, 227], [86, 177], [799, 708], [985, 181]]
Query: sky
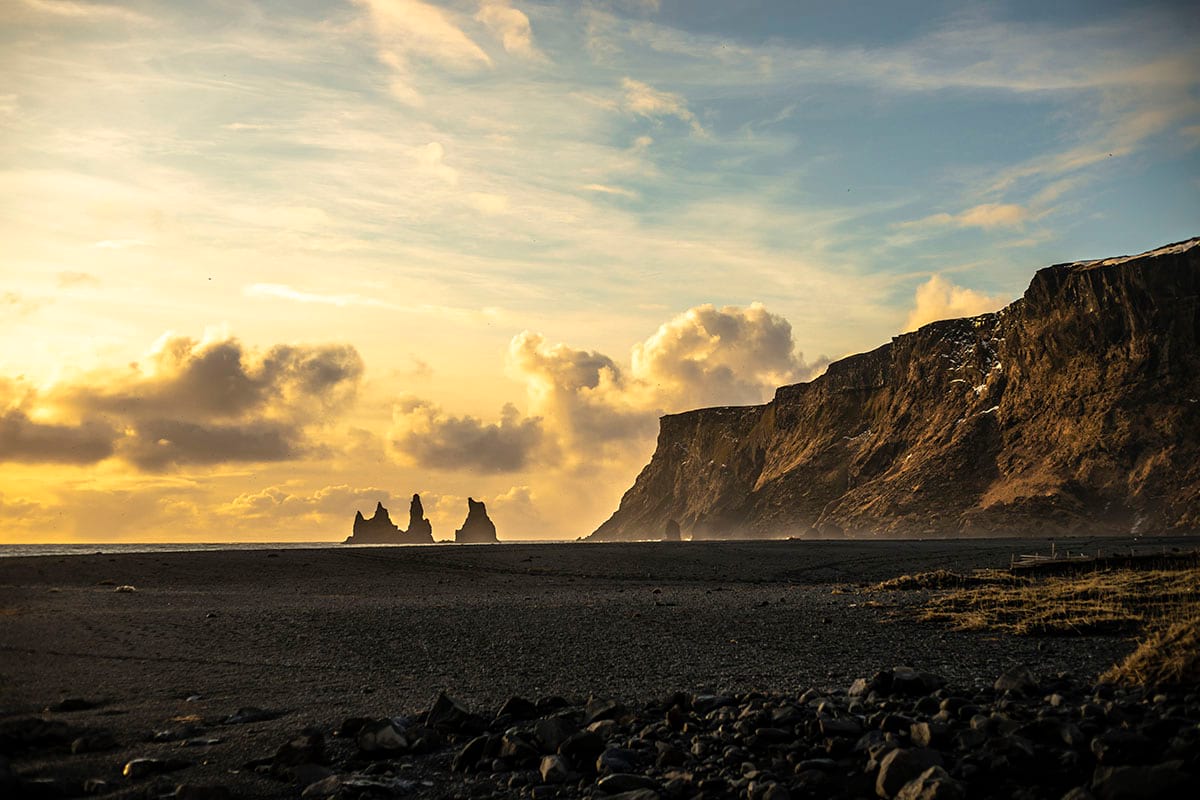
[[267, 263]]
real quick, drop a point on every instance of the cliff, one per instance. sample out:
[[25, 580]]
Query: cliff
[[1076, 409], [380, 529]]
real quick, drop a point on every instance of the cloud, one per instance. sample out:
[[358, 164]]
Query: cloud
[[22, 439], [711, 356], [582, 395], [510, 26], [429, 158], [285, 292], [18, 304], [987, 216], [601, 188], [424, 434], [160, 443], [277, 502], [703, 357], [938, 299], [408, 31], [84, 11], [68, 278], [118, 244], [19, 507], [488, 203], [191, 401], [646, 101]]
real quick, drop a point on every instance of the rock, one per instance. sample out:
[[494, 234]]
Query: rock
[[928, 734], [767, 790], [1079, 793], [125, 589], [516, 750], [518, 708], [68, 704], [30, 733], [472, 753], [603, 709], [554, 769], [93, 743], [910, 683], [357, 786], [1118, 746], [846, 726], [902, 765], [448, 714], [383, 737], [1165, 780], [250, 714], [202, 791], [307, 748], [932, 784], [90, 786], [1064, 389], [144, 767], [325, 787], [379, 529], [1018, 680], [671, 532], [582, 748], [636, 794], [420, 531], [477, 528], [625, 782], [616, 759], [551, 732]]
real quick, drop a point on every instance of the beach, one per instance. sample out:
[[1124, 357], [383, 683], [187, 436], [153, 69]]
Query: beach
[[313, 636]]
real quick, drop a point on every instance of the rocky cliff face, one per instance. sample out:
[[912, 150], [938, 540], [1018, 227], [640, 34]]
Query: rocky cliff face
[[1074, 409]]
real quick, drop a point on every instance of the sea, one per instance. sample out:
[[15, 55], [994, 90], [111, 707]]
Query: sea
[[98, 549]]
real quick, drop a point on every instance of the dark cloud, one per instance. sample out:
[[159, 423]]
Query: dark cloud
[[424, 434], [22, 439], [221, 380], [192, 402], [163, 443]]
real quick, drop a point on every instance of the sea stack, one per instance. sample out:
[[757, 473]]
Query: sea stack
[[671, 532], [477, 528], [420, 531], [380, 529]]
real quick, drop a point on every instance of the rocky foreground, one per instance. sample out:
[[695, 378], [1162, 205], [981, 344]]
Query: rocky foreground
[[901, 734], [237, 669]]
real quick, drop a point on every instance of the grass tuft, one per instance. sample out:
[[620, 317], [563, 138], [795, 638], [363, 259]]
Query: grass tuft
[[1168, 657], [1107, 601]]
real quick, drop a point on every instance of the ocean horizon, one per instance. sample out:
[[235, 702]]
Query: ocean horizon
[[114, 548]]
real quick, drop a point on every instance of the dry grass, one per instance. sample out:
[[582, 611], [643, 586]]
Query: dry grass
[[1169, 657], [1099, 602], [944, 579]]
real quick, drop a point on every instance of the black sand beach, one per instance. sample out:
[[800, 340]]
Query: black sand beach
[[326, 634]]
